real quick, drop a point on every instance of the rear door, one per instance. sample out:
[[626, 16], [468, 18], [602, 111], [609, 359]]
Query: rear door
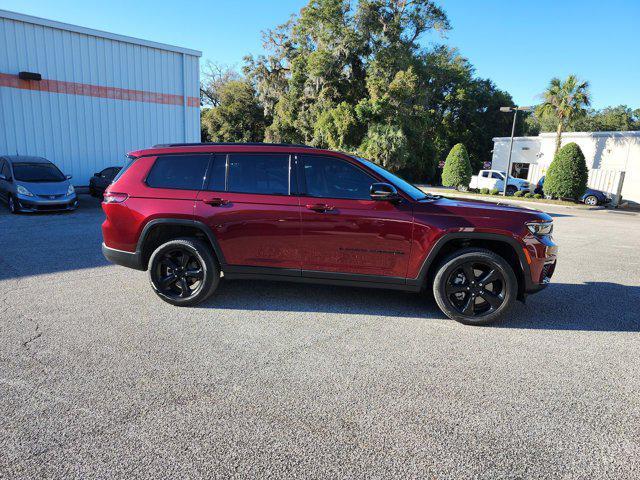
[[250, 206], [343, 230]]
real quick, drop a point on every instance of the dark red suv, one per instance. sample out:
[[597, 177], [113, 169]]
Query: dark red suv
[[189, 213]]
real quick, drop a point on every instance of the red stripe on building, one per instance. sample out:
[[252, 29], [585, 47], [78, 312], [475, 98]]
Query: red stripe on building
[[87, 90]]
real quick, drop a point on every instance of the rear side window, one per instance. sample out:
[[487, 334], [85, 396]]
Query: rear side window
[[183, 172], [335, 178], [262, 174]]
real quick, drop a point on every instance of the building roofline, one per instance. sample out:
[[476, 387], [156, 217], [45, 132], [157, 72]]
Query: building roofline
[[95, 33], [628, 133]]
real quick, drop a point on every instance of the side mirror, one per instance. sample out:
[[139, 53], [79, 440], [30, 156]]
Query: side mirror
[[384, 192], [68, 177]]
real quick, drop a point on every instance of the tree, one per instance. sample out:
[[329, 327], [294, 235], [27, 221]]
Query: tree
[[213, 77], [565, 101], [457, 168], [568, 174], [238, 117]]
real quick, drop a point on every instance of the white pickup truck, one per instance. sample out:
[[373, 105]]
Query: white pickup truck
[[495, 179]]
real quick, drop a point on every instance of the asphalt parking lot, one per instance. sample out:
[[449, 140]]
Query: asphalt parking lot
[[99, 378]]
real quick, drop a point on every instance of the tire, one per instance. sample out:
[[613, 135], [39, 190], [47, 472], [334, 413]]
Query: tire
[[12, 204], [591, 200], [175, 264], [484, 299], [511, 190]]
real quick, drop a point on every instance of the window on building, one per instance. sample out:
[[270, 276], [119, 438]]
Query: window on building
[[334, 178], [520, 170], [260, 173], [183, 172]]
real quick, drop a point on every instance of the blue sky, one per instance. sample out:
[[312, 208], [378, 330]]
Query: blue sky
[[519, 44]]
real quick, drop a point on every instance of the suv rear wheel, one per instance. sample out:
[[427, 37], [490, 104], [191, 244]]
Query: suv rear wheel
[[475, 286], [183, 271]]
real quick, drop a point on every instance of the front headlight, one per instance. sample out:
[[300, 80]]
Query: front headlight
[[23, 191], [540, 228], [70, 190]]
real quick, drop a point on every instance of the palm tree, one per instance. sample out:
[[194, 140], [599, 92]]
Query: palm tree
[[565, 101]]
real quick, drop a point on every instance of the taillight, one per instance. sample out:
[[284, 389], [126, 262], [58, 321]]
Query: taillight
[[113, 197]]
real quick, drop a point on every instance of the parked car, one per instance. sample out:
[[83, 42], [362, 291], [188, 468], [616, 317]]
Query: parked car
[[590, 197], [495, 179], [34, 184], [101, 180], [187, 212]]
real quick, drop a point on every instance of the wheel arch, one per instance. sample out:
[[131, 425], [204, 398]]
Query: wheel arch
[[161, 230], [505, 246]]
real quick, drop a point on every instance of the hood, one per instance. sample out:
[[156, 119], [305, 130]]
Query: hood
[[46, 188], [479, 209]]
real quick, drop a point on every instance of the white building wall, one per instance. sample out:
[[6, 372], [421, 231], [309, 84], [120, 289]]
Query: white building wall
[[102, 95], [604, 151]]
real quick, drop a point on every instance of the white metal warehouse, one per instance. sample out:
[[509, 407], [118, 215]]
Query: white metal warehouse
[[83, 98]]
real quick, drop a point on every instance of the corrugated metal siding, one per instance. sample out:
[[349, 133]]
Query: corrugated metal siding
[[83, 134]]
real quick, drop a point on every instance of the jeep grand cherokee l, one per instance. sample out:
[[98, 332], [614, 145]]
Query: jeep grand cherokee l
[[189, 213]]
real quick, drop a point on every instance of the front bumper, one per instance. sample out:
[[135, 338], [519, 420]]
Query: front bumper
[[542, 256], [40, 204]]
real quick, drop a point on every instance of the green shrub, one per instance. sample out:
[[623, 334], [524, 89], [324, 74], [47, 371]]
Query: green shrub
[[528, 195], [519, 193], [484, 191], [494, 191], [568, 174], [537, 195], [457, 168]]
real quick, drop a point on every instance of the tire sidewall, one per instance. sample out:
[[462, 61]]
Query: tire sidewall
[[211, 271], [11, 204], [511, 190], [453, 262]]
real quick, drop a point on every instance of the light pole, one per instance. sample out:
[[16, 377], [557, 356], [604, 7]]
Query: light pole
[[513, 131]]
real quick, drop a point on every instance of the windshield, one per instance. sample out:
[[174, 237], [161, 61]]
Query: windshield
[[37, 172], [411, 190]]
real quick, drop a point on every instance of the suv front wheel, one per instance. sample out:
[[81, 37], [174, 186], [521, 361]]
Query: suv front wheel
[[475, 286], [183, 272]]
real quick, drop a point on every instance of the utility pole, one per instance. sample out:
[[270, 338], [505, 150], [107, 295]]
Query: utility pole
[[513, 131]]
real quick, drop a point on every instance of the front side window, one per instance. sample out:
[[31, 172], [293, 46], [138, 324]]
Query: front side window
[[335, 178], [37, 172], [259, 173], [183, 172], [497, 176]]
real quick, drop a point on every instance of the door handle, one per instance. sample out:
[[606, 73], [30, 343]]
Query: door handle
[[216, 202], [320, 207]]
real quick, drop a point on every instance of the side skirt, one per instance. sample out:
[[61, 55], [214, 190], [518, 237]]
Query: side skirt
[[321, 278]]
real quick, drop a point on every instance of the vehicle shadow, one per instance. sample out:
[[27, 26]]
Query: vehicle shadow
[[593, 306]]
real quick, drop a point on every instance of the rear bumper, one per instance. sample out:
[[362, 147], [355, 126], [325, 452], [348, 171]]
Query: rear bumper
[[120, 257]]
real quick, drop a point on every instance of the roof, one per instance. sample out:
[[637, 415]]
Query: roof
[[629, 133], [233, 148], [21, 17], [25, 159]]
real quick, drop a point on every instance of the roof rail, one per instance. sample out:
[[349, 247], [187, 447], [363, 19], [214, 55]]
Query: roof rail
[[164, 145]]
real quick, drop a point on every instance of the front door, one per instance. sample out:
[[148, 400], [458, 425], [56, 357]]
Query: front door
[[343, 230], [247, 204]]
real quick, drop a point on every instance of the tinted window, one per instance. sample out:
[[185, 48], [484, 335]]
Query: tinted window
[[485, 174], [184, 172], [217, 173], [4, 169], [264, 174], [335, 178], [497, 175], [37, 172]]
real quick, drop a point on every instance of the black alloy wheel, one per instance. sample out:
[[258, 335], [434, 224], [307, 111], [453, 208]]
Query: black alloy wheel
[[475, 289], [475, 286], [511, 190], [183, 271]]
